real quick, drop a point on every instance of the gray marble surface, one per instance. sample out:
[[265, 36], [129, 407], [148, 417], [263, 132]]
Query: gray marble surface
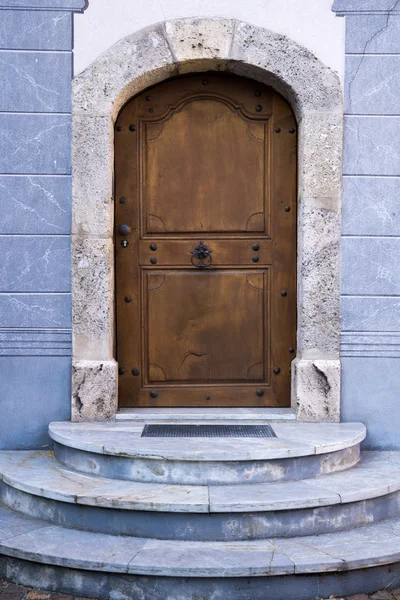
[[210, 559], [35, 30], [35, 310], [370, 314], [371, 206], [360, 548], [372, 145], [35, 81], [373, 34], [205, 414], [371, 265], [40, 474], [35, 264], [35, 204], [35, 144], [293, 439], [372, 85]]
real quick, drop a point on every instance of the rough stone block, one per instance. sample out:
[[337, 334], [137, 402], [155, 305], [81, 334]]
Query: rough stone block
[[371, 206], [372, 145], [93, 297], [94, 390], [35, 81], [372, 85], [320, 155], [371, 266], [34, 204], [35, 264], [291, 66], [35, 144], [194, 40], [35, 310], [92, 185], [128, 67], [35, 30], [316, 389], [319, 280]]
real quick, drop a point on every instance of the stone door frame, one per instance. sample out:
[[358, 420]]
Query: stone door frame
[[314, 92]]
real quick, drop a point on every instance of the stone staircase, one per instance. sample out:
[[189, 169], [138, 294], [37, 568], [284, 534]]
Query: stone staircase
[[111, 514]]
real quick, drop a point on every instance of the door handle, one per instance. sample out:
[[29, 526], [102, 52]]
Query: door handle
[[201, 256]]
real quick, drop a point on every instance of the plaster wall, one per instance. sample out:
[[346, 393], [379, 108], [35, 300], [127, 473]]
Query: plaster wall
[[309, 23]]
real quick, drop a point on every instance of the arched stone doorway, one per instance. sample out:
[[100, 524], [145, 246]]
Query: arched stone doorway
[[313, 90]]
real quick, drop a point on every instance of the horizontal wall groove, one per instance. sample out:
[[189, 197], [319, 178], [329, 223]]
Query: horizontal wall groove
[[34, 51], [370, 295], [29, 235], [36, 174], [24, 112], [372, 54], [13, 293], [16, 341], [368, 116], [368, 236], [374, 176]]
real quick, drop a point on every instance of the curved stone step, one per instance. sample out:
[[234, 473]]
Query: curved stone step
[[117, 450], [33, 540], [36, 484]]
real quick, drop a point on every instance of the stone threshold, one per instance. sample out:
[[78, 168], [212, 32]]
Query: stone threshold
[[206, 415]]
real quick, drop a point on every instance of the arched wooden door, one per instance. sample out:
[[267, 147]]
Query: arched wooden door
[[205, 169]]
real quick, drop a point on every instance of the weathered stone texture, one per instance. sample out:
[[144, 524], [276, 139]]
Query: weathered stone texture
[[200, 44], [126, 69], [92, 183], [318, 277], [94, 390], [316, 389], [320, 156], [293, 67], [93, 294]]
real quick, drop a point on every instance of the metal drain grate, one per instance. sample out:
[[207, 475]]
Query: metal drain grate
[[167, 431]]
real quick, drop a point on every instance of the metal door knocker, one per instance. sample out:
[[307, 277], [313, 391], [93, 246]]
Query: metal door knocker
[[201, 257]]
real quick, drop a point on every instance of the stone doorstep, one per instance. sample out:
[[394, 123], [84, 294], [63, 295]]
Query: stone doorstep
[[33, 540], [209, 415], [40, 474], [124, 439]]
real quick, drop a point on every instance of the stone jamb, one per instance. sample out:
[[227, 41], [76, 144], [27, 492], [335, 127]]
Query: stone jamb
[[142, 60]]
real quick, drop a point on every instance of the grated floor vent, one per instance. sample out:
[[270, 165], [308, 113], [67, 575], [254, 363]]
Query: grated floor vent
[[167, 431]]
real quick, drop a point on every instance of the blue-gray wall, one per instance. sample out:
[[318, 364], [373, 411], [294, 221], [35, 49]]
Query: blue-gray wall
[[371, 220], [35, 209]]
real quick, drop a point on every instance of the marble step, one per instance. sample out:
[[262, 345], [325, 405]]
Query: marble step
[[117, 450], [205, 415], [36, 484], [33, 540]]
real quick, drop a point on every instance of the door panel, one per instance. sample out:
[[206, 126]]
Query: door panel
[[188, 158], [195, 329], [206, 159]]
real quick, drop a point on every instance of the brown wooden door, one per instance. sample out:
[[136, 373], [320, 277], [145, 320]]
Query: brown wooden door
[[206, 158]]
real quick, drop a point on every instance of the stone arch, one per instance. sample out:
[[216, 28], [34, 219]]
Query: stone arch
[[140, 61]]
